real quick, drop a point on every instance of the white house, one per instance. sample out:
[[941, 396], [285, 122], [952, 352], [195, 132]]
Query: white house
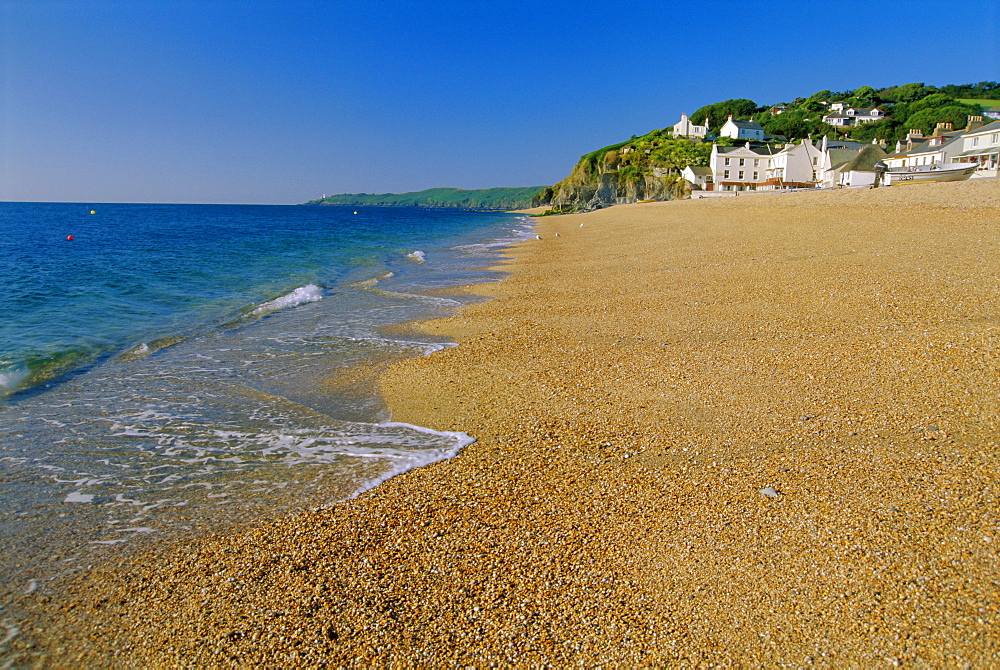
[[860, 170], [742, 168], [930, 151], [684, 128], [981, 146], [742, 130], [852, 116], [795, 166], [698, 175]]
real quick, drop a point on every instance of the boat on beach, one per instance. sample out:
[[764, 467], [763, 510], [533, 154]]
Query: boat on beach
[[924, 174]]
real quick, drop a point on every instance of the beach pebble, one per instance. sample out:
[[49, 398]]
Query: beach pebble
[[770, 492]]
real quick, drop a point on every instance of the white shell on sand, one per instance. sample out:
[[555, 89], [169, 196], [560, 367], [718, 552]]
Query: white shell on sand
[[770, 492]]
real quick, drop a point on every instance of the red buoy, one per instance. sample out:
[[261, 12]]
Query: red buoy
[[69, 237]]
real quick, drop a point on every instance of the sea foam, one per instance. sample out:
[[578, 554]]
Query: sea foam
[[300, 296], [12, 378]]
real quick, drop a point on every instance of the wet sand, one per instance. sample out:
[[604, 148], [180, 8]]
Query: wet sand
[[635, 384]]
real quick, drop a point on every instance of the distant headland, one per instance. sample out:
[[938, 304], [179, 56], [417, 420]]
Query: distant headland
[[517, 197]]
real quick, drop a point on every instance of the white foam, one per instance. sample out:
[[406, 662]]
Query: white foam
[[12, 378], [416, 459], [300, 296], [416, 256]]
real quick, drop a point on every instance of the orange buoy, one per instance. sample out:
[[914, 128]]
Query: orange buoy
[[69, 237]]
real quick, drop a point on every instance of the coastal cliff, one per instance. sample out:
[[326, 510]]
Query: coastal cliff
[[517, 197], [584, 192], [642, 168]]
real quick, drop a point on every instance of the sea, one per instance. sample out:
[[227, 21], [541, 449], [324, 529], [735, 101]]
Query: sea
[[173, 370]]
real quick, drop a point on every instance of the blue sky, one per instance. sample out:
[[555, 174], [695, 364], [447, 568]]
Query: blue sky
[[279, 102]]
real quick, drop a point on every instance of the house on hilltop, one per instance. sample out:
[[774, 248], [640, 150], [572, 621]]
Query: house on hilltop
[[684, 128], [852, 116], [742, 130]]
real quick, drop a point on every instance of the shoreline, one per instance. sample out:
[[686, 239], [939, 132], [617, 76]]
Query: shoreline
[[633, 386]]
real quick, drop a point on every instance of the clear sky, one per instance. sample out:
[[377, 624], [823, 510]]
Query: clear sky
[[279, 102]]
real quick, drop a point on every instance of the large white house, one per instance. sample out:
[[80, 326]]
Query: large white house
[[852, 116], [741, 168], [742, 130], [684, 128]]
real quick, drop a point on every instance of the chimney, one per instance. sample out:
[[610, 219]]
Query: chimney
[[826, 143], [942, 128], [975, 123], [914, 134]]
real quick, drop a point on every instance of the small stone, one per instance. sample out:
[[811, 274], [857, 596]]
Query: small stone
[[770, 492]]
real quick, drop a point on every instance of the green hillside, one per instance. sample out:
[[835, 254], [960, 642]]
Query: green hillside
[[518, 197]]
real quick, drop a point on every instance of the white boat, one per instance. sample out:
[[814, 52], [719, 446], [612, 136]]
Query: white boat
[[924, 174]]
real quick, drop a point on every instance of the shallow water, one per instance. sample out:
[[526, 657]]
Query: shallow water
[[174, 369]]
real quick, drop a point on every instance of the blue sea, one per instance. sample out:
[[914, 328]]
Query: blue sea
[[168, 370]]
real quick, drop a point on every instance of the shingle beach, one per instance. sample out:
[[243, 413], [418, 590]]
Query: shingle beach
[[747, 431]]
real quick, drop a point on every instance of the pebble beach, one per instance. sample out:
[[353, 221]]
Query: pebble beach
[[747, 431]]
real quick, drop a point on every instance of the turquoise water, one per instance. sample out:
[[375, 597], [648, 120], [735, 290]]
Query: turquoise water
[[174, 369]]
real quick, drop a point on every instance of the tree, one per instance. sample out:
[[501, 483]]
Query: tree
[[866, 96], [884, 129], [906, 92], [926, 120], [675, 155], [931, 101], [791, 124]]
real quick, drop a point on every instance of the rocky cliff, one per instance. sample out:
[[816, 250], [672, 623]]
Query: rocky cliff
[[643, 168], [595, 191]]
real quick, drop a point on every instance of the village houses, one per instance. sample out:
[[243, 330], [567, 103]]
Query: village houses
[[757, 165]]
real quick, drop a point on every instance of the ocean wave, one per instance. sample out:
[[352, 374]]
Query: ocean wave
[[12, 377], [371, 281], [300, 296], [416, 256], [144, 349], [36, 369]]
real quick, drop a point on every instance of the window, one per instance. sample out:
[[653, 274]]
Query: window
[[975, 141], [727, 161], [815, 160], [741, 174], [995, 138], [743, 162], [756, 175], [756, 162], [726, 175]]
